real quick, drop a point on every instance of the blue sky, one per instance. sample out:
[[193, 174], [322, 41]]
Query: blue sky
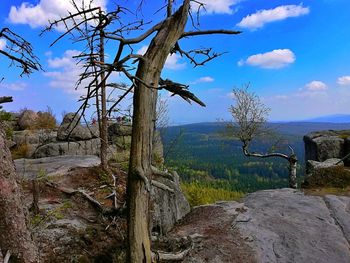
[[294, 54]]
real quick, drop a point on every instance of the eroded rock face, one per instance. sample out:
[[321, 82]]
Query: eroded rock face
[[320, 146], [287, 226], [311, 165], [87, 147], [168, 207], [77, 131], [116, 130], [53, 166], [323, 145]]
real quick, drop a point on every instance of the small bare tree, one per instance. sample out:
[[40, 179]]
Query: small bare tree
[[250, 117]]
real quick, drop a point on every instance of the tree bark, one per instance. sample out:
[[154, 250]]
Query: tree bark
[[144, 102], [14, 232], [103, 130], [293, 171]]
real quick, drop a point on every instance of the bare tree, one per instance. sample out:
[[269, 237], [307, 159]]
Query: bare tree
[[144, 72], [250, 117], [15, 236]]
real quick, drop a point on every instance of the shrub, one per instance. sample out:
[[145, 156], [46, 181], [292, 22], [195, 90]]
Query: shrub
[[45, 120], [335, 176], [197, 194], [5, 116], [21, 151]]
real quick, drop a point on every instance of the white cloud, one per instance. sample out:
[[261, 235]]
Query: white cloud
[[216, 7], [344, 81], [15, 86], [275, 59], [262, 17], [66, 72], [206, 79], [2, 44], [172, 62], [316, 85], [38, 15]]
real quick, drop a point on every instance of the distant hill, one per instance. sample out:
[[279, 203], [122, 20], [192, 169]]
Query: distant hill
[[289, 128], [336, 118]]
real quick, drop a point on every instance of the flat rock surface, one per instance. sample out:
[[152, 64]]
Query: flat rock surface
[[53, 166], [271, 226]]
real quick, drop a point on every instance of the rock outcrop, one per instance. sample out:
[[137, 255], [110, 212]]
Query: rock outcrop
[[323, 145], [169, 204], [273, 226], [311, 165], [71, 130], [53, 166]]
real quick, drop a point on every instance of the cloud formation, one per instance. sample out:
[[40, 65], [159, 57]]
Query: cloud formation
[[217, 6], [15, 86], [173, 61], [39, 15], [65, 72], [316, 85], [265, 16], [275, 59], [344, 81], [2, 44]]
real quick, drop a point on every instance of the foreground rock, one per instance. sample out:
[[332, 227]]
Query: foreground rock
[[287, 226], [275, 226]]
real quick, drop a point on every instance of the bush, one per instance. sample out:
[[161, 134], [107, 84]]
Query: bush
[[45, 120], [335, 176], [5, 116], [197, 194], [21, 151]]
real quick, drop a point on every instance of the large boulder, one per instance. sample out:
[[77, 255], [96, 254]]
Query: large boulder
[[169, 203], [119, 129], [27, 119], [71, 127], [320, 146]]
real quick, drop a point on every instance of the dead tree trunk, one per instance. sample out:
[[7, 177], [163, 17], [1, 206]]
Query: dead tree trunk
[[142, 134], [103, 126], [292, 162], [14, 234]]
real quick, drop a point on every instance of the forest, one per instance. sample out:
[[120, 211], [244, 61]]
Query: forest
[[207, 155]]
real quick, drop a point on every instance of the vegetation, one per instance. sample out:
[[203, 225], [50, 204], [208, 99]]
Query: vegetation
[[335, 176], [45, 120], [204, 155], [199, 194]]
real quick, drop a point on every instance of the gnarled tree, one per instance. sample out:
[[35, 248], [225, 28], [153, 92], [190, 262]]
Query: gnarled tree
[[15, 238], [144, 73], [250, 117]]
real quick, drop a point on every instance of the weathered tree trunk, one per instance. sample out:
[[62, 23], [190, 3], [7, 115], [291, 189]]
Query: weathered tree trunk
[[293, 171], [144, 102], [103, 126], [14, 233]]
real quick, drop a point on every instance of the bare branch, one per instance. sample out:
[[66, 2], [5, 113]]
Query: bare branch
[[209, 32]]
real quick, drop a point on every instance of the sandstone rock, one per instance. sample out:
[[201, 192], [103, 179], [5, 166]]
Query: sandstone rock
[[34, 137], [87, 147], [26, 119], [320, 146], [77, 131], [287, 226], [53, 166], [314, 165], [168, 207], [118, 129]]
